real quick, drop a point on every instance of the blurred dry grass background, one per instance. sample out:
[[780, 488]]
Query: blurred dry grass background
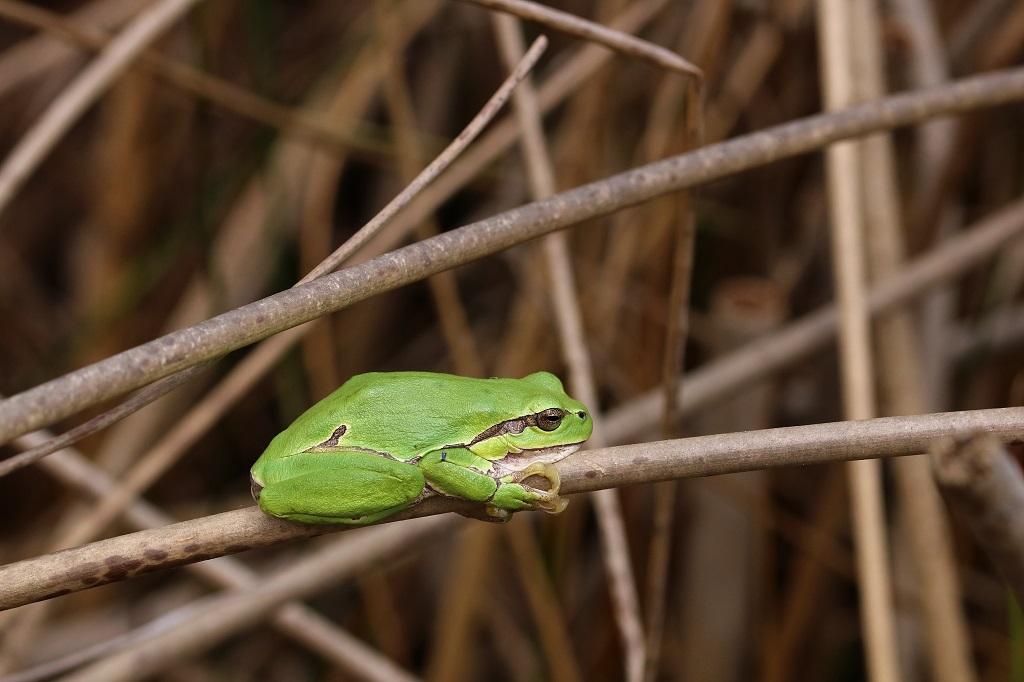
[[163, 206]]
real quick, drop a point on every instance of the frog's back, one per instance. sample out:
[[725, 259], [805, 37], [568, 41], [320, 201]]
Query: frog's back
[[406, 414]]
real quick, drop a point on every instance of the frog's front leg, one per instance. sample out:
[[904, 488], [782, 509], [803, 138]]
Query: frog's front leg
[[343, 487], [458, 472]]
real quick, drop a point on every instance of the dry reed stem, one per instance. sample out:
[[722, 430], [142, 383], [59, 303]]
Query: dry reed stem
[[51, 126], [569, 323], [144, 552], [60, 398]]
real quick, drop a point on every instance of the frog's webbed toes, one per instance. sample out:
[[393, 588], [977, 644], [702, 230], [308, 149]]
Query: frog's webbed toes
[[544, 500], [504, 503], [544, 470], [514, 496]]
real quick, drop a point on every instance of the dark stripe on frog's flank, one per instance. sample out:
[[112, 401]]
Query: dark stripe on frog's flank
[[335, 437]]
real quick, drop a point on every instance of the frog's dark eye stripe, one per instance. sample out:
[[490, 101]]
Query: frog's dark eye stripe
[[545, 420], [550, 419]]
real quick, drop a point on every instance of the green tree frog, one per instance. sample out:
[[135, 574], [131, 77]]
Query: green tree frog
[[384, 441]]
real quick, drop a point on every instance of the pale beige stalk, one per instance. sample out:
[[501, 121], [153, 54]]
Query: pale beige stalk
[[856, 364], [902, 383]]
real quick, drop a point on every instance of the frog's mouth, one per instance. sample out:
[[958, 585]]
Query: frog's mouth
[[517, 461]]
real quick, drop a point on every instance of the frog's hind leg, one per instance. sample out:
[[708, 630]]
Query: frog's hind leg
[[368, 488]]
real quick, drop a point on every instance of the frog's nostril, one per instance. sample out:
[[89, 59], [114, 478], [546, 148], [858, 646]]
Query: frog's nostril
[[581, 414]]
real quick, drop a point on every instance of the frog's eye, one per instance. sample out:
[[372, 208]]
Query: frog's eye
[[549, 419]]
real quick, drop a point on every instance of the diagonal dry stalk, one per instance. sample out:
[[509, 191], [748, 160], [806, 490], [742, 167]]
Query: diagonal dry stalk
[[232, 610]]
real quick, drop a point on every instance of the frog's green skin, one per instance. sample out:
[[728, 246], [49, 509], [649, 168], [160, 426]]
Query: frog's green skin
[[384, 441]]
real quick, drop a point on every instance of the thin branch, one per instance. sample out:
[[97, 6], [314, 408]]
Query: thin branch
[[58, 118], [443, 160], [63, 397], [572, 24], [144, 552]]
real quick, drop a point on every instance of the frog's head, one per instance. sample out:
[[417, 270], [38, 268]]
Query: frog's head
[[552, 426]]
